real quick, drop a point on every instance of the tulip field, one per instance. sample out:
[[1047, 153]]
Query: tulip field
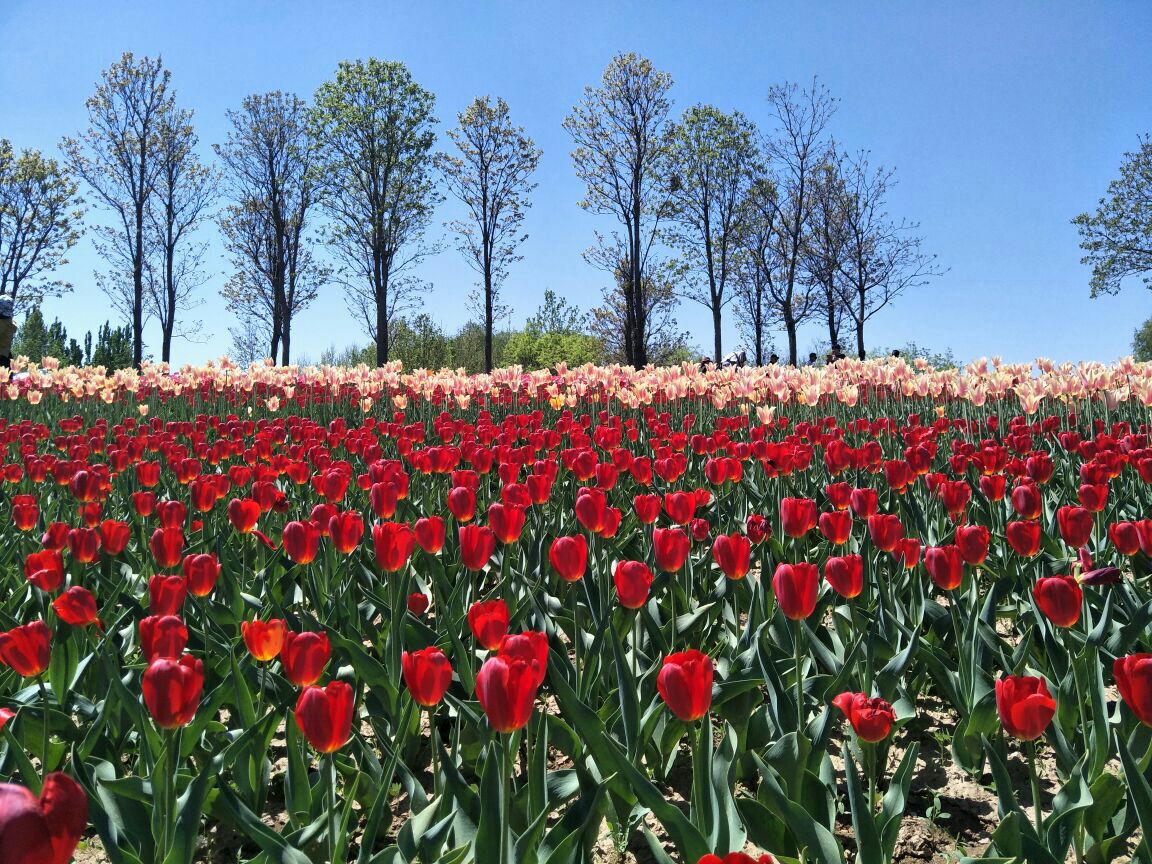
[[598, 615]]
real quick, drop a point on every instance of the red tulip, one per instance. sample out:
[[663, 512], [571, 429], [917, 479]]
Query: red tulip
[[477, 543], [144, 503], [114, 536], [1026, 500], [531, 645], [1075, 525], [27, 648], [797, 516], [685, 684], [243, 513], [301, 542], [429, 531], [1134, 681], [45, 569], [736, 858], [886, 531], [201, 571], [25, 512], [56, 536], [647, 508], [506, 690], [671, 547], [1025, 705], [506, 521], [733, 555], [462, 503], [845, 575], [972, 540], [865, 503], [796, 587], [324, 715], [945, 565], [172, 690], [264, 639], [592, 509], [757, 528], [680, 506], [488, 621], [839, 495], [1125, 536], [1059, 598], [836, 526], [427, 674], [569, 557], [418, 603], [76, 606], [162, 636], [632, 579], [167, 545], [346, 529], [84, 545], [1093, 497], [166, 594], [44, 830], [871, 719], [304, 656], [394, 543], [1024, 537]]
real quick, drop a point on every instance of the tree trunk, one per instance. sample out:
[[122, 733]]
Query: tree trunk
[[488, 323], [860, 328], [286, 341], [381, 330], [716, 322], [790, 328]]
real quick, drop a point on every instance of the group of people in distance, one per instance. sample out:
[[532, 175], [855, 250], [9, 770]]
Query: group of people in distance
[[739, 359]]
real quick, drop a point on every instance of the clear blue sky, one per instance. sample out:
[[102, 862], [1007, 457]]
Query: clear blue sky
[[1003, 120]]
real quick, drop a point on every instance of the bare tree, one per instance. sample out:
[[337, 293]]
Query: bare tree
[[268, 169], [759, 266], [882, 257], [40, 216], [711, 161], [184, 190], [372, 125], [491, 178], [620, 134], [796, 148], [824, 250], [117, 156]]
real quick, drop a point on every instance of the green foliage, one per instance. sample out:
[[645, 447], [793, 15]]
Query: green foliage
[[1142, 342], [1117, 238], [113, 348], [36, 340], [420, 343]]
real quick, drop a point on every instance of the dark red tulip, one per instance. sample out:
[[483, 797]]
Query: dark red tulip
[[886, 531], [1125, 536], [680, 506], [685, 684], [114, 536], [647, 508], [1027, 501], [427, 674], [243, 513], [836, 526], [945, 564], [506, 521], [324, 715], [55, 536], [972, 540], [167, 545], [865, 503], [429, 531], [1075, 525], [488, 621], [797, 516], [1059, 599], [418, 603], [304, 656], [264, 639], [162, 636], [84, 545], [846, 575], [462, 503], [27, 648], [796, 587], [166, 594], [1093, 497], [477, 544], [531, 645], [506, 690], [871, 718], [993, 486], [172, 514], [25, 512], [733, 555], [1134, 681], [671, 547], [144, 503], [737, 858], [394, 543], [1024, 537], [44, 830], [699, 529], [839, 495], [301, 542], [201, 571], [758, 528], [77, 607], [45, 569], [1025, 705], [569, 557], [346, 529], [954, 495], [633, 579], [592, 509], [172, 690]]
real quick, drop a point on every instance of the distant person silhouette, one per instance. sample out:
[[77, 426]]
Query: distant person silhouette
[[774, 359]]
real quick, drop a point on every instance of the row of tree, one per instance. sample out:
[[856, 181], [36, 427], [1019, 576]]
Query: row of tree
[[781, 228]]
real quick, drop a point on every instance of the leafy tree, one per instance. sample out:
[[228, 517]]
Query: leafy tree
[[372, 127], [491, 177], [1117, 238], [113, 348], [467, 347], [1142, 342], [36, 340], [712, 159], [760, 268], [420, 343], [557, 333], [185, 188], [268, 171], [620, 133], [118, 157], [40, 215]]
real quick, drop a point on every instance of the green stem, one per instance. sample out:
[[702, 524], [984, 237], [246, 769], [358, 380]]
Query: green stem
[[870, 751], [635, 646], [330, 771], [505, 779], [45, 724], [575, 632], [796, 636], [432, 749], [1030, 750]]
